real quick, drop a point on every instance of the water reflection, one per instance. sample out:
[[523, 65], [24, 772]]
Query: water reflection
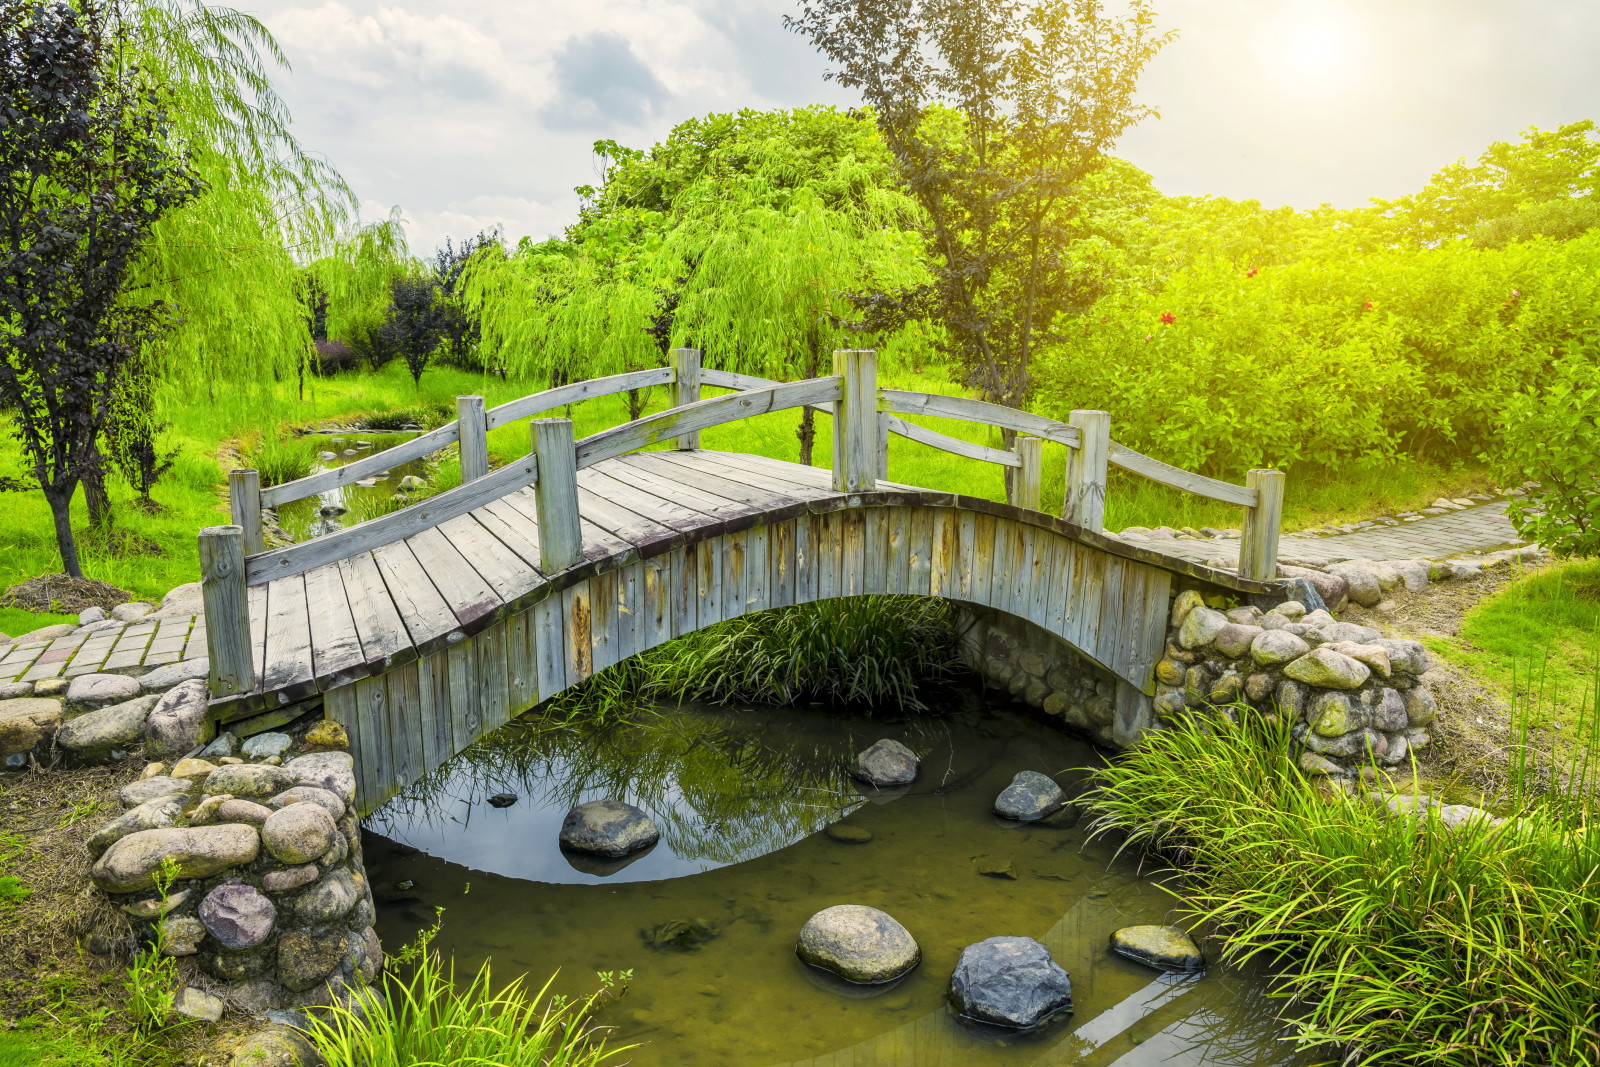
[[346, 505]]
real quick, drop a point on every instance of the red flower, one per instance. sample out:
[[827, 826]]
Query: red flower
[[1168, 317], [1372, 305], [1252, 273]]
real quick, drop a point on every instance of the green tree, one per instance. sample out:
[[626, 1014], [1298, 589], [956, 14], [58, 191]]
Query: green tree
[[89, 163], [993, 110]]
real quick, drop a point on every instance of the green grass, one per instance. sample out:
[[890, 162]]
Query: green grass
[[1537, 641], [193, 493], [1397, 943]]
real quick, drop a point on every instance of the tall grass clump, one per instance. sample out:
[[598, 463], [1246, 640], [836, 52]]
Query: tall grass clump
[[1400, 940], [872, 650], [428, 1018], [280, 461]]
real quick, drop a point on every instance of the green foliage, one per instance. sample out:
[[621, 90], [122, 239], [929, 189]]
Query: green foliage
[[13, 890], [281, 460], [432, 1018], [1403, 943], [1551, 435], [151, 979], [873, 650]]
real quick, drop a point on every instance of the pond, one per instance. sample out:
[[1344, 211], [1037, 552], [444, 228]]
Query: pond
[[707, 919], [346, 505]]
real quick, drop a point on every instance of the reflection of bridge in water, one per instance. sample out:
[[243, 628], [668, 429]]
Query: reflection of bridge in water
[[426, 628]]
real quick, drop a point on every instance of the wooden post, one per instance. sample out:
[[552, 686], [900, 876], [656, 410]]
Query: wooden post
[[883, 445], [1258, 541], [244, 500], [855, 421], [556, 495], [227, 609], [685, 388], [474, 438], [1086, 470], [1024, 489]]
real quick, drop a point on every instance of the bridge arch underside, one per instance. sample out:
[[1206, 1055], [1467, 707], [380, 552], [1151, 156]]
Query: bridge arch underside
[[1107, 600]]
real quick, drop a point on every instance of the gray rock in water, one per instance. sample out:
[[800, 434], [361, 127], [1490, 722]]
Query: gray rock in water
[[887, 763], [1030, 796], [1009, 981], [858, 943], [239, 916], [1166, 947], [607, 828]]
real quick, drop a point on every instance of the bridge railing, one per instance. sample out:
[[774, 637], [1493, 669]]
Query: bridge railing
[[234, 558]]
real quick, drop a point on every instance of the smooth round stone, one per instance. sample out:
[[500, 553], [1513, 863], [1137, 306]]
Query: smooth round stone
[[1165, 947], [1009, 981], [239, 916], [858, 943], [850, 835], [607, 828], [1030, 796], [887, 763], [298, 833]]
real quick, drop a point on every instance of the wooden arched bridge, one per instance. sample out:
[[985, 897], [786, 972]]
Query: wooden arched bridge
[[426, 628]]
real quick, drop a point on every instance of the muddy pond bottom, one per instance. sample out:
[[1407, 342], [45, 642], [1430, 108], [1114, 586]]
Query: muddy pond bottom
[[707, 920]]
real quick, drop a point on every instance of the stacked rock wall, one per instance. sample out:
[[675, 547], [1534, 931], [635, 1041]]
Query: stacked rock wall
[[269, 892]]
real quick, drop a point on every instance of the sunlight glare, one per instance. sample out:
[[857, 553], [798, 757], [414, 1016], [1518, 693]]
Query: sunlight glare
[[1314, 51]]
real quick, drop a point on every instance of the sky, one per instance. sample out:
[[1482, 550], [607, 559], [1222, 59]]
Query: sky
[[472, 115]]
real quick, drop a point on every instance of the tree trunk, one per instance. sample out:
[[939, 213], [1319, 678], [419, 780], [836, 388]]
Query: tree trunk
[[635, 404], [807, 434], [94, 493], [60, 498]]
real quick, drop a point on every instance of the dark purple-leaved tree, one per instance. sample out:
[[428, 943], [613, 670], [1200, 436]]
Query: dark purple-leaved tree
[[88, 164]]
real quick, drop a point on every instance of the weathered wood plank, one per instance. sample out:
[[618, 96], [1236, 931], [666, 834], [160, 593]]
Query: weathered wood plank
[[603, 628], [288, 651], [707, 582], [494, 681], [1024, 487], [853, 560], [732, 584], [336, 655], [434, 736], [424, 611], [466, 710], [682, 469], [405, 727], [919, 540], [875, 545], [1041, 544], [1063, 557], [855, 423], [370, 744], [522, 663], [779, 485], [390, 528], [1085, 493], [474, 449], [966, 557], [463, 588], [675, 514], [896, 550], [378, 623], [228, 610], [654, 609], [555, 496], [717, 507], [514, 530], [1258, 539], [497, 563], [244, 500], [1113, 612], [365, 467], [598, 544], [781, 563], [955, 445], [1152, 639], [561, 396], [960, 407], [757, 595], [620, 521], [550, 648], [1089, 579], [577, 620], [984, 547], [685, 365], [731, 407], [1178, 478], [629, 626], [258, 632], [946, 552]]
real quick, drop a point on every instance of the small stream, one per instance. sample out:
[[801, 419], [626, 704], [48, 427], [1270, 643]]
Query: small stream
[[707, 918], [349, 504]]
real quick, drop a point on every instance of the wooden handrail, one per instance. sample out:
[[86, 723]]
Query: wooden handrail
[[1178, 478], [365, 467], [904, 402], [562, 395]]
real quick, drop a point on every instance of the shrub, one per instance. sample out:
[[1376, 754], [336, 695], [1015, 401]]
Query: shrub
[[1551, 436], [1405, 942]]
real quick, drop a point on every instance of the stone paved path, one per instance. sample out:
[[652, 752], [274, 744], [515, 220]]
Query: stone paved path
[[1435, 537], [141, 643]]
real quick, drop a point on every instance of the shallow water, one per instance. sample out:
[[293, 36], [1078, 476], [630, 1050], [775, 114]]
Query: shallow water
[[304, 519], [707, 920]]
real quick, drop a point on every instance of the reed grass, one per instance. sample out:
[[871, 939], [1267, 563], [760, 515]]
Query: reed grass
[[1399, 941], [427, 1019]]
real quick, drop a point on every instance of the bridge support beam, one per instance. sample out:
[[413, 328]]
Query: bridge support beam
[[244, 501], [855, 421], [1258, 541], [1086, 470], [685, 388], [227, 606], [555, 495], [474, 438], [1023, 492]]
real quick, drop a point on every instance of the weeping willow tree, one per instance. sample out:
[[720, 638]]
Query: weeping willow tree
[[741, 235]]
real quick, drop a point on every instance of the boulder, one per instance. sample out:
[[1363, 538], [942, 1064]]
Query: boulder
[[225, 744], [132, 863], [1334, 590], [1421, 707], [1363, 584], [1234, 640], [1273, 647], [249, 780], [858, 943], [304, 959], [99, 690], [13, 690], [327, 901], [151, 815], [184, 600], [179, 722], [1328, 669], [278, 1045], [293, 878], [1300, 591], [298, 833], [247, 811], [1200, 627], [1184, 603], [192, 767], [160, 785], [182, 936], [602, 828], [95, 737], [333, 771], [887, 763], [198, 1004], [266, 746], [239, 916], [1009, 981], [327, 734], [1334, 714], [1031, 796], [1165, 947], [163, 678], [311, 794], [1405, 655], [1389, 714], [46, 634], [1335, 632], [27, 723], [132, 610], [91, 614], [1374, 656], [1414, 573]]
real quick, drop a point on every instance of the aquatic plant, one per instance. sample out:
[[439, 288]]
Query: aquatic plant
[[1398, 937], [428, 1018], [278, 460]]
